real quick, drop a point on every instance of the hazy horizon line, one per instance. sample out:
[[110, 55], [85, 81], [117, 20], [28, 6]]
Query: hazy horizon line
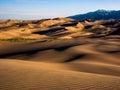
[[38, 17]]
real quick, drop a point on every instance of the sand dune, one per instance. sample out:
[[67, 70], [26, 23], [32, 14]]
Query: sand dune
[[76, 64], [24, 75], [64, 55]]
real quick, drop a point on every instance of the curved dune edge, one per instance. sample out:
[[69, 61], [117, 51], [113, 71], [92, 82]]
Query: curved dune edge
[[25, 75]]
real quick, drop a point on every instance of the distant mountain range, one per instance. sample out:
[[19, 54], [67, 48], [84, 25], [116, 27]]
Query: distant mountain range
[[98, 15]]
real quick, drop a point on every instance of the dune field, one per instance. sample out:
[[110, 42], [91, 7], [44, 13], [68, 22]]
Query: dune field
[[80, 64], [72, 60]]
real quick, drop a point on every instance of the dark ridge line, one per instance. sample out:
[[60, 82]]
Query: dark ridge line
[[74, 58], [62, 48], [48, 31], [30, 52]]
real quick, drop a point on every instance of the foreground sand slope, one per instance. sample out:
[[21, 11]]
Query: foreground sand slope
[[24, 75], [76, 64]]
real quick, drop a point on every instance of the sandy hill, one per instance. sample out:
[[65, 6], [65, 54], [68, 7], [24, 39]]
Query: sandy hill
[[65, 55], [57, 28]]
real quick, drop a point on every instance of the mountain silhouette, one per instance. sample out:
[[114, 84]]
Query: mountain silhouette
[[98, 15]]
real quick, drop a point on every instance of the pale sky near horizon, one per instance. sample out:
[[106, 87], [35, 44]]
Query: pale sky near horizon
[[37, 9]]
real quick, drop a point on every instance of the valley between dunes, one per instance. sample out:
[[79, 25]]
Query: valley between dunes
[[70, 64]]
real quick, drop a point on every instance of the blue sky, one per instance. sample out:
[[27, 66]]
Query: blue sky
[[37, 9]]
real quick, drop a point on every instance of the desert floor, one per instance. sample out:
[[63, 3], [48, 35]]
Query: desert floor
[[76, 64]]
